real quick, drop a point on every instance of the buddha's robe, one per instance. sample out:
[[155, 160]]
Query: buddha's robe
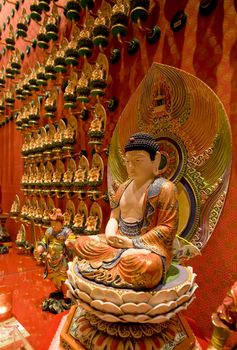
[[99, 261]]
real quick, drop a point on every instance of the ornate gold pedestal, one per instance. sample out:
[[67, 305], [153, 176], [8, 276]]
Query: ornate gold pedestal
[[96, 334]]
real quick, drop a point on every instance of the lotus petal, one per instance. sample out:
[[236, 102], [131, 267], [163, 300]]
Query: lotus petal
[[84, 286], [136, 297], [163, 296], [106, 307], [135, 309], [133, 318], [107, 295], [109, 318], [83, 296]]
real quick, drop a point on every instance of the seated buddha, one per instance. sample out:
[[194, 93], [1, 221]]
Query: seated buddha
[[68, 135], [67, 218], [98, 73], [136, 249], [47, 177], [80, 175], [94, 174], [21, 236], [68, 176], [96, 125], [92, 223], [79, 220], [57, 176]]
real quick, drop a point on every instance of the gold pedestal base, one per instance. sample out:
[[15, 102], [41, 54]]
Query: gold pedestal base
[[174, 334]]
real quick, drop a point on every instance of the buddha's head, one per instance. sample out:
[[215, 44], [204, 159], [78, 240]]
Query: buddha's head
[[142, 156]]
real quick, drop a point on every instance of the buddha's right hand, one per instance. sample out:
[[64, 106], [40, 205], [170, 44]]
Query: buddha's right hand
[[117, 241]]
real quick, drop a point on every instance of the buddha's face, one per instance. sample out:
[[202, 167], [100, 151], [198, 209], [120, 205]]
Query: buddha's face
[[139, 165]]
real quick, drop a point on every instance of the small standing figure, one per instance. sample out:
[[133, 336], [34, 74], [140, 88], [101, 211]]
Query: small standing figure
[[57, 253], [224, 319]]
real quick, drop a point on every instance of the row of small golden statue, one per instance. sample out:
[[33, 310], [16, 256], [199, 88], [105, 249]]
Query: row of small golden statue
[[71, 179], [92, 82], [83, 219], [51, 137]]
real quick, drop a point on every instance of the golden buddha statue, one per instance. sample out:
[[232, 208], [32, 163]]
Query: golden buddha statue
[[50, 62], [79, 220], [50, 100], [70, 88], [21, 236], [96, 124], [120, 7], [92, 223], [94, 174], [24, 210], [15, 207], [67, 218], [98, 72], [68, 135], [47, 176], [45, 217], [100, 19], [25, 178], [16, 60], [83, 82], [57, 176], [80, 175], [68, 176], [57, 138]]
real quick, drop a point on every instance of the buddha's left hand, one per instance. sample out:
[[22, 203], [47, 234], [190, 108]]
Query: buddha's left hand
[[120, 242]]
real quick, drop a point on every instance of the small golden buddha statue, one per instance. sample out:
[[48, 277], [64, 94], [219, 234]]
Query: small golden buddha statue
[[24, 210], [79, 220], [45, 217], [120, 7], [68, 176], [94, 174], [100, 19], [96, 124], [83, 82], [47, 176], [92, 223], [24, 179], [68, 135], [57, 138], [15, 207], [98, 72], [16, 60], [21, 236], [70, 88], [80, 175], [67, 218], [57, 176]]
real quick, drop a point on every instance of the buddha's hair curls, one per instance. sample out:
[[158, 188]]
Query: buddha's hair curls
[[143, 142]]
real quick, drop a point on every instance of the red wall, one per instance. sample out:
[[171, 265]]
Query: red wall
[[206, 48]]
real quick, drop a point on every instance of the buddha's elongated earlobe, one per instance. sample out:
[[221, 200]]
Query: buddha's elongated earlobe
[[157, 163]]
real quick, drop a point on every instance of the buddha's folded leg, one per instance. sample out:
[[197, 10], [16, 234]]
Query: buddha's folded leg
[[141, 270], [94, 249]]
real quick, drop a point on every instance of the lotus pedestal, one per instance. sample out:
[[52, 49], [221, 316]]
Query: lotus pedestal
[[107, 318]]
